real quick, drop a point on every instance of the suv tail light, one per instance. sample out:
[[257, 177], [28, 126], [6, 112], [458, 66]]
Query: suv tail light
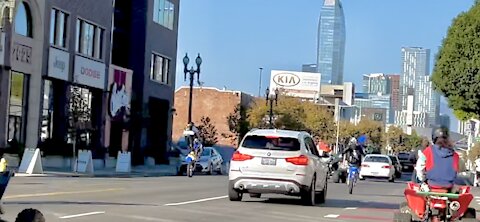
[[237, 156], [365, 165], [299, 160], [387, 167]]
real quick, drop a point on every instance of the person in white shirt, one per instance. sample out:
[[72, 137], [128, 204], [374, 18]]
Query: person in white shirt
[[477, 171]]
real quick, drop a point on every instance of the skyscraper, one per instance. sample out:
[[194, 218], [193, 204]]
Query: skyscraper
[[427, 99], [415, 63], [394, 89], [331, 42]]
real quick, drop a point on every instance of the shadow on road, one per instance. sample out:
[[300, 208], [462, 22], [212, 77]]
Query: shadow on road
[[74, 203], [336, 203]]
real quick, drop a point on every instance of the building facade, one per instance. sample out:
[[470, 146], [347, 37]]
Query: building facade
[[375, 101], [145, 41], [420, 119], [61, 86], [427, 99], [415, 65], [331, 42], [375, 83], [309, 68], [394, 89], [205, 103], [444, 120]]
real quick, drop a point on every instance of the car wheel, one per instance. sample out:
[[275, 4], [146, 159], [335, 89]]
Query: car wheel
[[30, 215], [255, 195], [309, 196], [233, 194], [210, 170], [322, 195]]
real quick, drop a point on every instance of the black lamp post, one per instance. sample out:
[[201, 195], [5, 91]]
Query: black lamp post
[[192, 72], [272, 98]]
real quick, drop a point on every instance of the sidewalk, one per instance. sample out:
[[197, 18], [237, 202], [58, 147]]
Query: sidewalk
[[137, 171]]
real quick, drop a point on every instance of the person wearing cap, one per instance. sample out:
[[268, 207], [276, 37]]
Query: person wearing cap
[[438, 166]]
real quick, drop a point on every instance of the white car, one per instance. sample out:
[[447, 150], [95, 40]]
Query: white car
[[278, 161], [377, 166], [210, 161]]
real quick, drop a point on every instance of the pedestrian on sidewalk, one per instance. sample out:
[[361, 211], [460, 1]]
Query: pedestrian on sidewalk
[[3, 162]]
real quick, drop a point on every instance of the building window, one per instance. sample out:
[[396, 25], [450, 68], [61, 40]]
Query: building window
[[17, 107], [23, 20], [160, 69], [164, 13], [89, 39], [80, 117], [58, 28], [47, 111]]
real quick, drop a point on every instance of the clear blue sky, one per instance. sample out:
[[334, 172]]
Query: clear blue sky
[[236, 37]]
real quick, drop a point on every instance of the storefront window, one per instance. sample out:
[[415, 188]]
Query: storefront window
[[47, 112], [80, 117], [17, 107]]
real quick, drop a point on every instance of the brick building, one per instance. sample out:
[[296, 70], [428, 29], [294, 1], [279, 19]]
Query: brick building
[[209, 102]]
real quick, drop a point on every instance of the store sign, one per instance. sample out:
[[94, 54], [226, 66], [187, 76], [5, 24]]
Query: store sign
[[89, 72], [299, 84], [21, 53], [58, 64]]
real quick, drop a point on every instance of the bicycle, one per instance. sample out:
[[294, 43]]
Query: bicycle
[[352, 178]]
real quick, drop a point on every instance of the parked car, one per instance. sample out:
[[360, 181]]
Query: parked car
[[377, 166], [397, 165], [210, 162], [278, 161]]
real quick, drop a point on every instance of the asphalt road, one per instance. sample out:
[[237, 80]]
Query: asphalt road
[[201, 198]]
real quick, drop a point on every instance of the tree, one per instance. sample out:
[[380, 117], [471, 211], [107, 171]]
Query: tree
[[373, 130], [237, 124], [457, 69], [393, 138], [319, 123], [207, 131]]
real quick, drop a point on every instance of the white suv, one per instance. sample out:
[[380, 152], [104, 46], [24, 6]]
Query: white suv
[[280, 162]]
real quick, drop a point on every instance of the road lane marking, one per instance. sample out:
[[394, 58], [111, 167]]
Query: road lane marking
[[196, 201], [351, 208], [332, 216], [60, 193], [82, 215]]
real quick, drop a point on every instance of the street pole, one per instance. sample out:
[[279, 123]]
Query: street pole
[[191, 72], [260, 82], [271, 98], [337, 120], [271, 114], [190, 100]]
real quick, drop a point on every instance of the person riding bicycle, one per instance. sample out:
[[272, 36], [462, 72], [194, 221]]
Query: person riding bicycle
[[438, 166], [353, 153], [192, 136]]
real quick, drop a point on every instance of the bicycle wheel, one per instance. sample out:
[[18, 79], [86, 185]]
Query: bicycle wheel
[[350, 186], [190, 169]]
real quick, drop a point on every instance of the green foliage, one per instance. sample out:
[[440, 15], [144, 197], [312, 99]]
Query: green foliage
[[401, 142], [207, 131], [456, 72], [238, 124]]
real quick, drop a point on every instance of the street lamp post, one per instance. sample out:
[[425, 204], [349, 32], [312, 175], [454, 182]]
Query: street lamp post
[[271, 98], [260, 82], [192, 72]]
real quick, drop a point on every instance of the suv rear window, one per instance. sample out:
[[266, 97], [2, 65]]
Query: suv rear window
[[271, 143], [376, 159], [403, 156], [394, 160]]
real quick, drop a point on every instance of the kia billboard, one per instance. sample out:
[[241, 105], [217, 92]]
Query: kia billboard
[[298, 84]]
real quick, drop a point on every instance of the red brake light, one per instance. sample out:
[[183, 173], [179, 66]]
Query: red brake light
[[299, 160], [237, 156], [365, 165], [387, 167], [272, 137]]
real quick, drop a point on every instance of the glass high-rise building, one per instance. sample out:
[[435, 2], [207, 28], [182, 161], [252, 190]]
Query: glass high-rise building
[[415, 66], [331, 42], [375, 83]]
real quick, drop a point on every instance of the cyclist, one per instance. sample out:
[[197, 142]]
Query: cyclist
[[192, 136], [354, 153]]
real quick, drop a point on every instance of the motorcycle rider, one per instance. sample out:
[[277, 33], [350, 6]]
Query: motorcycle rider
[[438, 166]]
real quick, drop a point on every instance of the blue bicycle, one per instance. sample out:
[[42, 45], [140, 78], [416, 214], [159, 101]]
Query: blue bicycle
[[353, 173]]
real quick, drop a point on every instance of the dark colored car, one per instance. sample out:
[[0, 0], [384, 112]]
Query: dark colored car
[[407, 160]]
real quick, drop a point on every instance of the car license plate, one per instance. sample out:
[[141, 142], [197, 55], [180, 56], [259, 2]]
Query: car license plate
[[269, 161], [405, 167], [374, 173]]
